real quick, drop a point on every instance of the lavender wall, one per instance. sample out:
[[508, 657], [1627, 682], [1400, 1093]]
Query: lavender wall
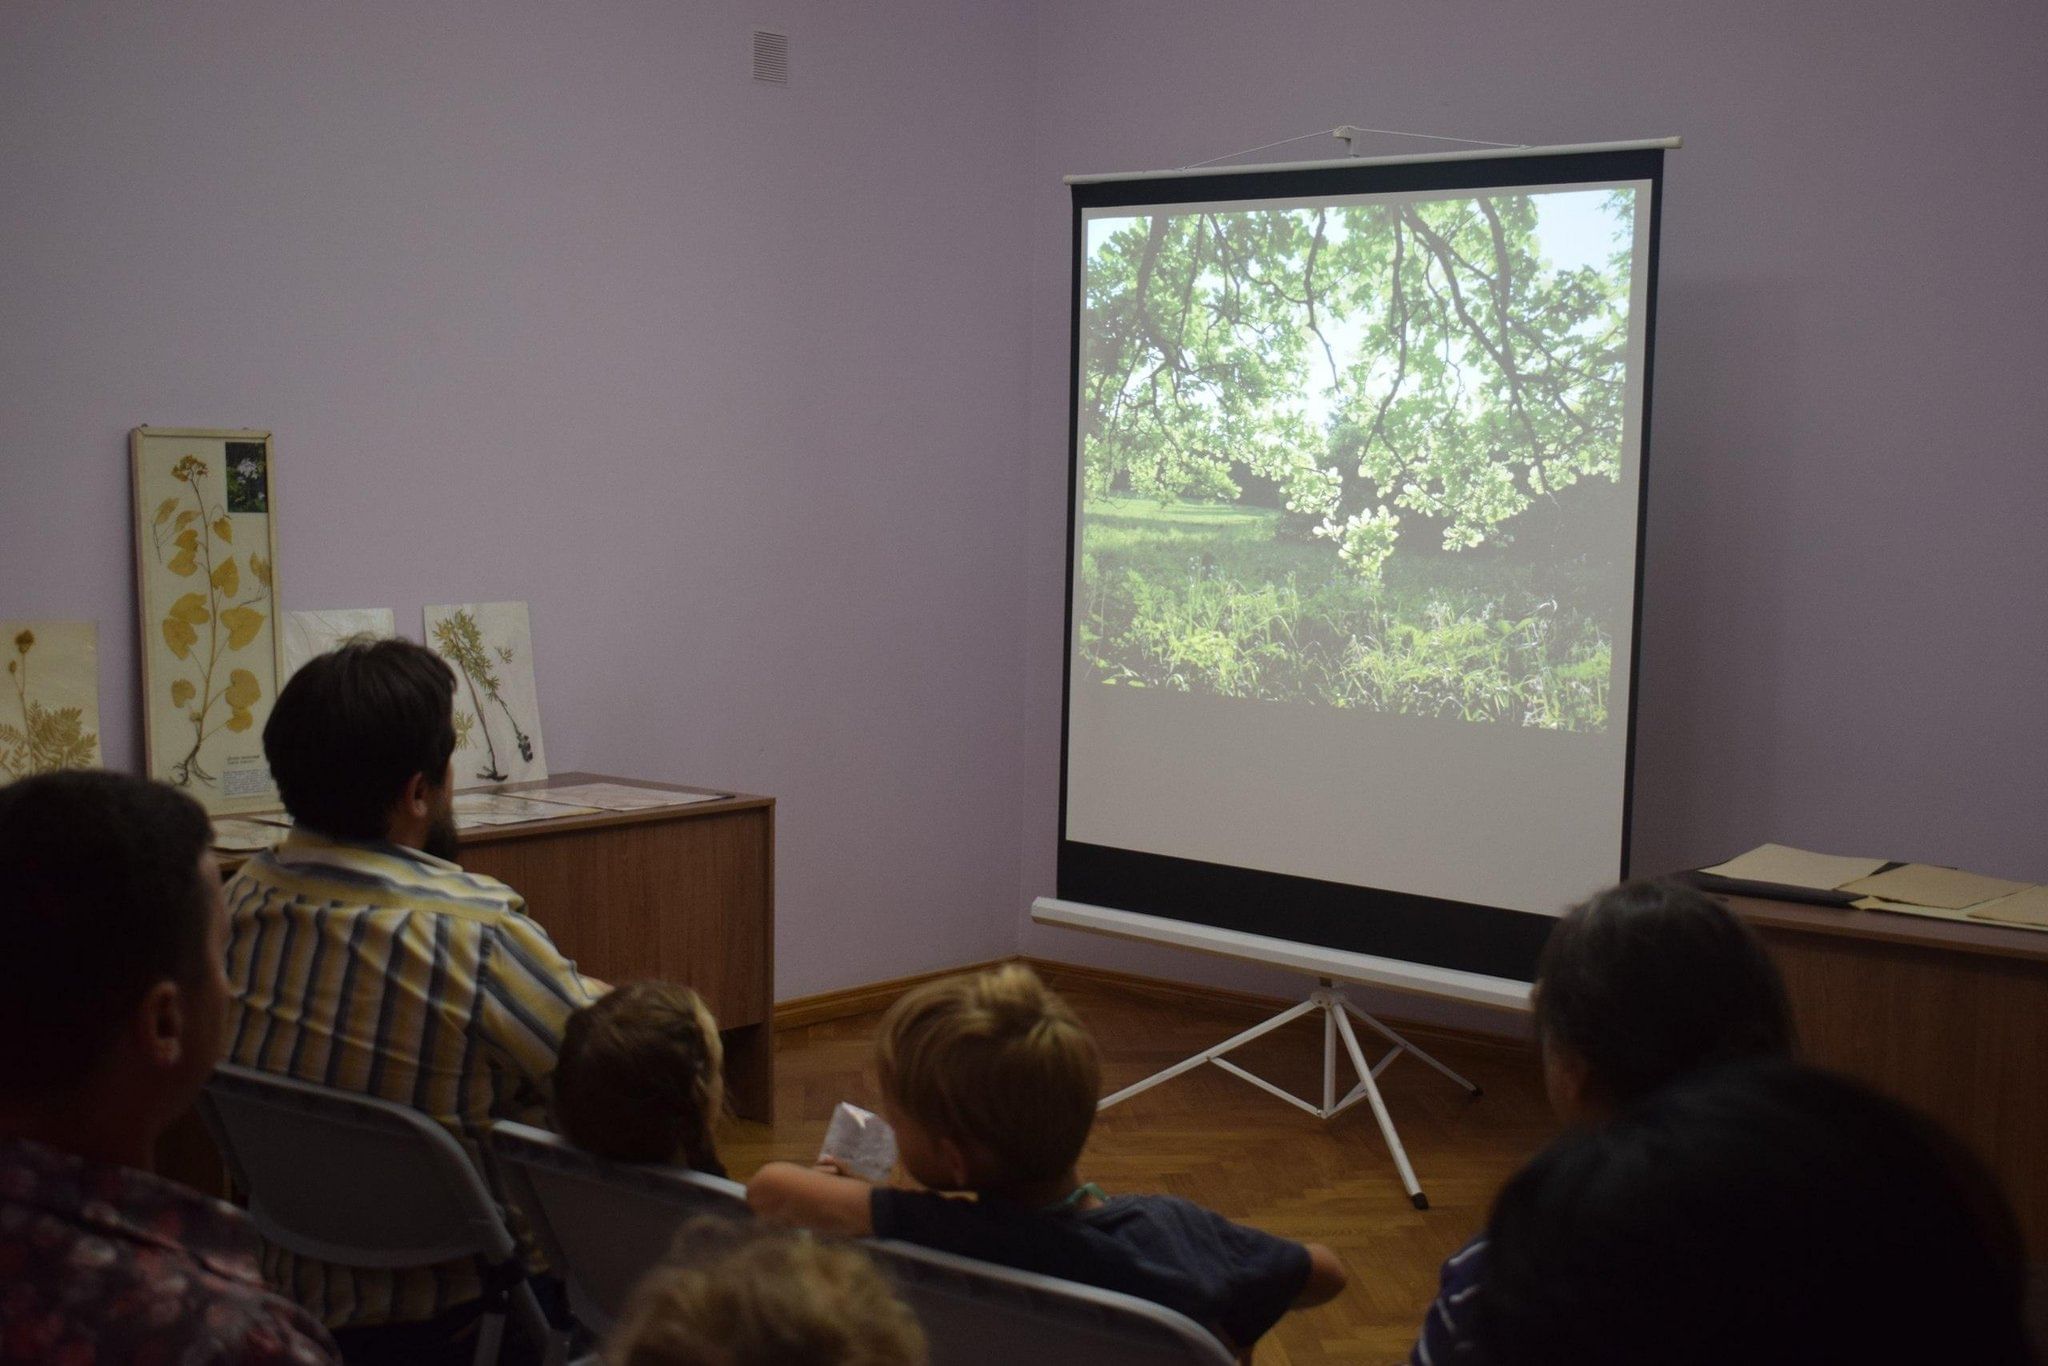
[[553, 302], [758, 396], [1846, 598]]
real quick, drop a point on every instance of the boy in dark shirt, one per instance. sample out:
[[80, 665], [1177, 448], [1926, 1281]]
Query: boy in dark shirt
[[990, 1082]]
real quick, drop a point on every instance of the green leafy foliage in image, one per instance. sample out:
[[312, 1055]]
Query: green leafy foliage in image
[[47, 738], [1365, 456], [1454, 376], [461, 641], [1203, 599]]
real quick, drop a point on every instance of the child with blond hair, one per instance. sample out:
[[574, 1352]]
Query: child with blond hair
[[990, 1081], [640, 1077], [741, 1294]]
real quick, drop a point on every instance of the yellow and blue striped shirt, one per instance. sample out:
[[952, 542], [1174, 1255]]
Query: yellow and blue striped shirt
[[379, 969]]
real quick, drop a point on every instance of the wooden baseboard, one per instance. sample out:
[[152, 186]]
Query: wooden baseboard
[[799, 1011], [876, 996]]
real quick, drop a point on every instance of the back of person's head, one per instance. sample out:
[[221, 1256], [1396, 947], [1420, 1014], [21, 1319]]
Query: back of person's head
[[351, 729], [1761, 1213], [999, 1064], [739, 1293], [1651, 981], [640, 1076], [102, 897]]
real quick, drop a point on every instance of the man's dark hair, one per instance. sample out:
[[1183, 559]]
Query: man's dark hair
[[1761, 1213], [100, 899], [1650, 981], [352, 727]]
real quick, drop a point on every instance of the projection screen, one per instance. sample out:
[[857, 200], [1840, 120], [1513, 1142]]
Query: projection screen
[[1357, 462]]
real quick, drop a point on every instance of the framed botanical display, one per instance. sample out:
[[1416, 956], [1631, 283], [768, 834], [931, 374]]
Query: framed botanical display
[[205, 551], [307, 634], [50, 706], [497, 717]]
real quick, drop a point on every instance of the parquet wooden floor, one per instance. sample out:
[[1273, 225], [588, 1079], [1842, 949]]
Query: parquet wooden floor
[[1214, 1139]]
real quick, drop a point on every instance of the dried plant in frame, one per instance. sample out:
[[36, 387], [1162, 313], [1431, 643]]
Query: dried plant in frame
[[49, 712], [497, 719], [205, 551]]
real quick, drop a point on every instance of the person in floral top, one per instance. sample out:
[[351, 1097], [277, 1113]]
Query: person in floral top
[[112, 1010]]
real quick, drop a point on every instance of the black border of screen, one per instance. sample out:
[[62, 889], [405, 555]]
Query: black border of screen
[[1433, 931]]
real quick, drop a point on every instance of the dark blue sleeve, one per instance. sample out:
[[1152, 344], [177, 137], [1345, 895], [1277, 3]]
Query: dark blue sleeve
[[1248, 1278], [1027, 1241], [1447, 1327]]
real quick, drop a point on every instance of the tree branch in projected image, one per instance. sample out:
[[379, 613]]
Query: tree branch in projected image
[[1364, 455]]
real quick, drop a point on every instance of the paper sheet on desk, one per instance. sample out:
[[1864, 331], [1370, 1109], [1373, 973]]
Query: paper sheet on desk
[[2028, 908], [1919, 884], [247, 836], [503, 808], [620, 797], [1878, 903], [1791, 867]]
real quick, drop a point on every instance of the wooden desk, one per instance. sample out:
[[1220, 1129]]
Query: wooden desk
[[1950, 1017], [683, 893]]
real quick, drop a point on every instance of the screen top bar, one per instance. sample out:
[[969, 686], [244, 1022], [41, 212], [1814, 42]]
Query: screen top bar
[[1479, 154]]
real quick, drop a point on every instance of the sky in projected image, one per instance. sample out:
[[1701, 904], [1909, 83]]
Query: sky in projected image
[[1371, 454]]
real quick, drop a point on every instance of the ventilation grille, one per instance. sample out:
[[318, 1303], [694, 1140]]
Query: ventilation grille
[[771, 56]]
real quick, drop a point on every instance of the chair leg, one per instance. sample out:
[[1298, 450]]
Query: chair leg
[[533, 1320], [490, 1337]]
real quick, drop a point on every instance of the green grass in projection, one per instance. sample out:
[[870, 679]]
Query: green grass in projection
[[1362, 456]]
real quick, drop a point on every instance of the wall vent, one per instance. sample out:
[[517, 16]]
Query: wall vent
[[771, 56]]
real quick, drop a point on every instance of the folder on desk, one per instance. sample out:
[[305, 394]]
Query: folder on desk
[[1782, 873]]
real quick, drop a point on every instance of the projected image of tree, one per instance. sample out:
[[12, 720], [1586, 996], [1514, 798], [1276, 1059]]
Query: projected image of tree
[[1362, 455]]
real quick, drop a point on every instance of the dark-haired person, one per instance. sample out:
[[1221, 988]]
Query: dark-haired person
[[1763, 1213], [112, 1006], [1642, 985], [362, 957]]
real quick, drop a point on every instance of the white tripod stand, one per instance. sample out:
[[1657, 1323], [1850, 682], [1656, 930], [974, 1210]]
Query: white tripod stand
[[1336, 1010]]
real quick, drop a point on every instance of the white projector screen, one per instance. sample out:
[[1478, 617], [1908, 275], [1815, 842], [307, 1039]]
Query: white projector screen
[[1357, 497]]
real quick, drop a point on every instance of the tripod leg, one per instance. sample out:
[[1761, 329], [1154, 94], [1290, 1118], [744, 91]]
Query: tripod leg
[[1405, 1046], [1379, 1112]]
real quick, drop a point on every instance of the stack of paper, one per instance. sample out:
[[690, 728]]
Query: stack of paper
[[621, 797], [249, 836], [504, 808], [1909, 888]]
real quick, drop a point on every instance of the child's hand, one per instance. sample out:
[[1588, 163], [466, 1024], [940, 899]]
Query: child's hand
[[827, 1163]]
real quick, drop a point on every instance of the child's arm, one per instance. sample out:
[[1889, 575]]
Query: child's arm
[[815, 1199], [1326, 1278]]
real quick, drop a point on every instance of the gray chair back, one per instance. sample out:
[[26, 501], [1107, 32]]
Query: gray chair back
[[602, 1224], [978, 1314], [360, 1182]]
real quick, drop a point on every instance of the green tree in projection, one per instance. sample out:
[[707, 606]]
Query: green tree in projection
[[1369, 362], [1355, 454]]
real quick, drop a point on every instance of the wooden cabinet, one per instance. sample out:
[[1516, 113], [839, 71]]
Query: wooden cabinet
[[1949, 1016], [682, 893]]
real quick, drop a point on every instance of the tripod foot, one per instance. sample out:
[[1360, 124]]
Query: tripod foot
[[1421, 1201]]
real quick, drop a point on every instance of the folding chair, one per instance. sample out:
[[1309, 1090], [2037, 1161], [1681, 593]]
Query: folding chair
[[602, 1224], [361, 1182], [978, 1314]]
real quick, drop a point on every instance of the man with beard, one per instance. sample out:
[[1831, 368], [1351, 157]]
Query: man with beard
[[363, 957]]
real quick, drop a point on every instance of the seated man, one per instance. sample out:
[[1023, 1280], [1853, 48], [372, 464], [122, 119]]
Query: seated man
[[361, 957], [111, 1007]]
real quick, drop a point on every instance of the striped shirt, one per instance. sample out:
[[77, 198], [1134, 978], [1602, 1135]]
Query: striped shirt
[[1447, 1327], [378, 969]]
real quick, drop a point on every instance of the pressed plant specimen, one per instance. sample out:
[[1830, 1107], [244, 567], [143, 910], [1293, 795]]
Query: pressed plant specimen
[[461, 640], [197, 541], [48, 738]]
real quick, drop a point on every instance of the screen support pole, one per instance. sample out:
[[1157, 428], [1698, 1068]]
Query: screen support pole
[[1329, 1001]]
